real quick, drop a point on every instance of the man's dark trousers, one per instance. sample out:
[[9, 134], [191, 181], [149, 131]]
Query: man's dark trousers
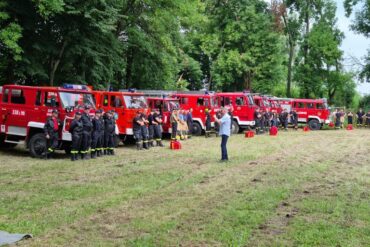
[[224, 139]]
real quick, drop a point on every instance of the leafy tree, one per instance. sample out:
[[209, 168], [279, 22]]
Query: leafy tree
[[361, 25], [243, 56]]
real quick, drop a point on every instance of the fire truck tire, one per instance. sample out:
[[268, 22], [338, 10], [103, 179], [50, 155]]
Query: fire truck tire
[[197, 129], [235, 127], [314, 124], [37, 145]]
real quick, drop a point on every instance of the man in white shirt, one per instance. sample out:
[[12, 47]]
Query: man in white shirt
[[224, 131]]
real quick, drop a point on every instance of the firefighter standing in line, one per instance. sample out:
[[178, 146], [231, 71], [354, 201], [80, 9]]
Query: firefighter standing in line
[[157, 120], [97, 134], [51, 130], [360, 115], [368, 119], [76, 129], [208, 123], [284, 119], [257, 120], [174, 123], [338, 115], [268, 117], [86, 134], [189, 121], [145, 131], [151, 128], [109, 133], [294, 118], [350, 117], [137, 123]]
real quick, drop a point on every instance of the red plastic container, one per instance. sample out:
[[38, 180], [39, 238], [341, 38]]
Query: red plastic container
[[331, 125], [274, 131], [249, 134], [306, 129], [175, 145], [349, 127]]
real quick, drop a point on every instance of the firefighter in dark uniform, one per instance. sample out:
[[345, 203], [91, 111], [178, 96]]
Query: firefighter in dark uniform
[[267, 120], [86, 133], [208, 123], [137, 123], [174, 122], [338, 115], [157, 120], [284, 119], [294, 118], [145, 131], [109, 133], [97, 134], [189, 122], [350, 118], [360, 115], [76, 129], [368, 119], [258, 120], [151, 127], [51, 130]]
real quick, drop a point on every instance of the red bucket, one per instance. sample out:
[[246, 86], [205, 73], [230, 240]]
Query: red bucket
[[175, 145], [249, 134], [274, 131]]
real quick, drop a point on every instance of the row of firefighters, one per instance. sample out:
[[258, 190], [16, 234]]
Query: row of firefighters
[[95, 136], [339, 115], [91, 136]]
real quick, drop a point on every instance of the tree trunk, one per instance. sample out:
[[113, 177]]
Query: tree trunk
[[55, 63], [290, 70], [130, 59]]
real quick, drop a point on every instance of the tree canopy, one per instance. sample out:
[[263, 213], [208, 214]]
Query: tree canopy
[[287, 48]]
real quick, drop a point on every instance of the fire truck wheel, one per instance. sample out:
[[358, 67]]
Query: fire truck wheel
[[197, 129], [314, 124], [37, 145], [235, 127]]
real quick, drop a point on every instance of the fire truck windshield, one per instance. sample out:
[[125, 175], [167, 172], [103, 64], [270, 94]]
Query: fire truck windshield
[[135, 102], [266, 103], [75, 100], [250, 99], [173, 105]]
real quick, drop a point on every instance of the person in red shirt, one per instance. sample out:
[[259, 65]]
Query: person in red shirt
[[51, 131]]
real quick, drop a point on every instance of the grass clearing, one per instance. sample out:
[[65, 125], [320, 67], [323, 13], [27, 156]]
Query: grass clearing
[[297, 189]]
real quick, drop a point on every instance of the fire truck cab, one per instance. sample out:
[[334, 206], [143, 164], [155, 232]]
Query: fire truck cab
[[262, 102], [275, 105], [199, 102], [125, 105], [243, 109], [165, 106], [24, 111], [313, 112]]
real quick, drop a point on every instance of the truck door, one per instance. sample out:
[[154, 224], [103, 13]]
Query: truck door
[[5, 112], [301, 110], [243, 110], [17, 118]]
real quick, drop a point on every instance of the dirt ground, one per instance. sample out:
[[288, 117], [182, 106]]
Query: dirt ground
[[296, 189]]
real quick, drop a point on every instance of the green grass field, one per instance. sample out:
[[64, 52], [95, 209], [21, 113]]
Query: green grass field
[[297, 189]]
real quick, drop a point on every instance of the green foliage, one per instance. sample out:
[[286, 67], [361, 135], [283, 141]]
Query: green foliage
[[221, 45], [243, 56]]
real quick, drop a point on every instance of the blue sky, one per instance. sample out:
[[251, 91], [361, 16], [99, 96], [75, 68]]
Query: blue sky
[[354, 45]]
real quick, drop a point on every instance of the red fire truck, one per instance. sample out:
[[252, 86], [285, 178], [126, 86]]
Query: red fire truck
[[275, 105], [199, 102], [243, 108], [262, 102], [125, 104], [24, 111], [165, 106], [313, 112]]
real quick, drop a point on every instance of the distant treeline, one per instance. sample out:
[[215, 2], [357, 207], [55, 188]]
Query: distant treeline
[[286, 48]]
